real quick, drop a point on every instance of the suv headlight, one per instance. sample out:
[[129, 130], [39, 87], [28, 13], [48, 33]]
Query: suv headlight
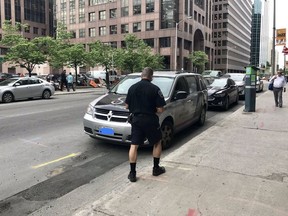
[[219, 94], [89, 110]]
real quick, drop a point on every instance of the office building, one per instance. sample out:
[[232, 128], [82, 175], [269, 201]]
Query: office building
[[232, 34], [151, 20]]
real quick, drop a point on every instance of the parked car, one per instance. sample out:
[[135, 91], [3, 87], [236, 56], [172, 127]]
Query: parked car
[[212, 73], [239, 79], [4, 76], [23, 88], [185, 94], [223, 93], [259, 84]]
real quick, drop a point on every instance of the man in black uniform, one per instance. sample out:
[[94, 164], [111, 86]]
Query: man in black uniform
[[63, 80], [144, 100]]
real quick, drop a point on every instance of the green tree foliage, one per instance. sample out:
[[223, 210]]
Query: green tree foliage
[[199, 59], [103, 55], [22, 52], [76, 56], [136, 55], [12, 33]]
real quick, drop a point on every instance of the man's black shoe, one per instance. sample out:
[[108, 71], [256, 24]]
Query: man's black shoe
[[132, 177], [158, 170]]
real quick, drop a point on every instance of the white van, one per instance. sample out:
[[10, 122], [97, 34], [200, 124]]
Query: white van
[[97, 74], [102, 75]]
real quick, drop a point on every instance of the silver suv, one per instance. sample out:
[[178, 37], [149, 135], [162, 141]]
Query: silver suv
[[185, 95]]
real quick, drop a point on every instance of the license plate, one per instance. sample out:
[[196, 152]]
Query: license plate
[[106, 131]]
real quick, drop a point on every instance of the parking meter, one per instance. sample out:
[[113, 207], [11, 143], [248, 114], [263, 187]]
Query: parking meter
[[250, 88]]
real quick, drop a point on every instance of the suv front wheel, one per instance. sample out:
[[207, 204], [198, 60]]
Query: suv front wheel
[[202, 117], [167, 134]]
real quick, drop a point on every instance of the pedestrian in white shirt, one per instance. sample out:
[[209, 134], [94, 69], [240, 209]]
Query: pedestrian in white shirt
[[279, 83]]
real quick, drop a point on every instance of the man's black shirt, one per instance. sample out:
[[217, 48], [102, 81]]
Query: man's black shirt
[[143, 97]]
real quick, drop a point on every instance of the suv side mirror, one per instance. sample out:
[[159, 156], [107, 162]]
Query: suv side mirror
[[181, 95]]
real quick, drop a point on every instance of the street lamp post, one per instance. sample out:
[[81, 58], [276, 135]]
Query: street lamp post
[[176, 39]]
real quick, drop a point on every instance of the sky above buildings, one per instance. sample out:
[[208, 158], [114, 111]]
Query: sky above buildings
[[281, 14]]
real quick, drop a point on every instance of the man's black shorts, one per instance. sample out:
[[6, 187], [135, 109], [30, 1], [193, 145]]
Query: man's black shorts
[[145, 126]]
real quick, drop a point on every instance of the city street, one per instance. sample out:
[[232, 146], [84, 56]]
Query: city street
[[45, 153]]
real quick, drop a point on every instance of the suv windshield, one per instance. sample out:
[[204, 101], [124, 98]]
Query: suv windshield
[[164, 83]]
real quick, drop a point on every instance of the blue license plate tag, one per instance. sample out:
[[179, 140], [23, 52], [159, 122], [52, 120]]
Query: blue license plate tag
[[106, 131]]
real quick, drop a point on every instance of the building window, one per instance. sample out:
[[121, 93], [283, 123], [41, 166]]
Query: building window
[[113, 44], [43, 32], [102, 30], [72, 4], [137, 27], [113, 14], [149, 25], [113, 29], [27, 29], [81, 18], [149, 42], [35, 30], [92, 16], [169, 14], [124, 8], [102, 15], [165, 42], [81, 33], [136, 7], [124, 28], [72, 19], [124, 11], [150, 6], [92, 32], [73, 34]]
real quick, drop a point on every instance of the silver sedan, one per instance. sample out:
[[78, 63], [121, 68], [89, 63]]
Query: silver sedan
[[24, 88]]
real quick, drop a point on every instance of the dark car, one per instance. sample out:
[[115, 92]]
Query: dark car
[[185, 94], [4, 76], [222, 93], [239, 79]]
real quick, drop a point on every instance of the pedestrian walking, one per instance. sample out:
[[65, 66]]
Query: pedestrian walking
[[279, 83], [144, 100], [70, 81], [63, 80]]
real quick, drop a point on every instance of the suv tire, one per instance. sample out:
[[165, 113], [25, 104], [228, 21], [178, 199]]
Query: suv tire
[[202, 117], [167, 134]]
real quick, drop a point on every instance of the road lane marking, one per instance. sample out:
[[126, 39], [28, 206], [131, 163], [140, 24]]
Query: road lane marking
[[57, 160]]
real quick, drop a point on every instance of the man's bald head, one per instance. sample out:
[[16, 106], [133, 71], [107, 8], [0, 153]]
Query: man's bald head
[[147, 73]]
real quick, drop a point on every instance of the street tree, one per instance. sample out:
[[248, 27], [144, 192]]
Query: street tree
[[199, 59], [12, 34], [58, 54], [102, 55], [135, 55], [21, 52], [76, 57]]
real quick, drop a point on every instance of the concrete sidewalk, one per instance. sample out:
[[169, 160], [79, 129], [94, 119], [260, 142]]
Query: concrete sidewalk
[[81, 90], [237, 167]]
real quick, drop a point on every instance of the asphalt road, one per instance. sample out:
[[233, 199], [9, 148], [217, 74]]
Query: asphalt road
[[45, 153]]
